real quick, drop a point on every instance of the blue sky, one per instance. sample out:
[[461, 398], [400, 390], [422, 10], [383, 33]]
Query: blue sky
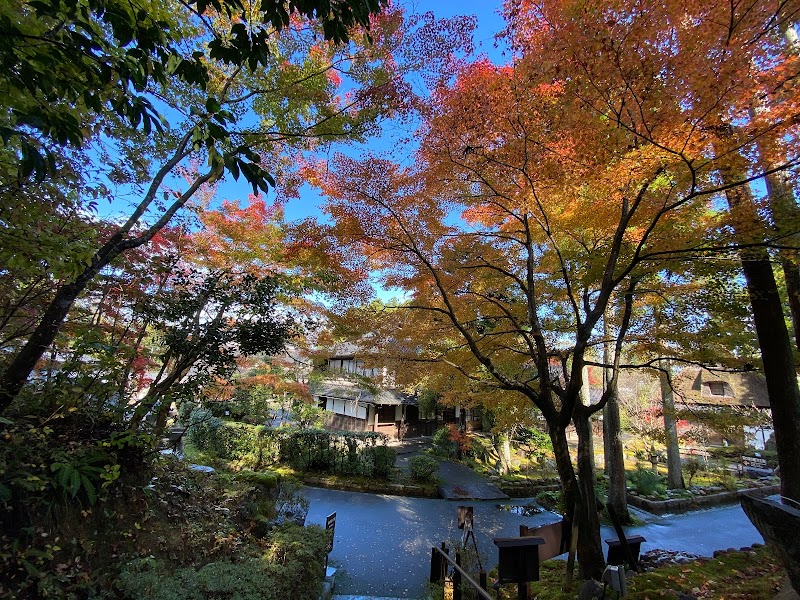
[[489, 23]]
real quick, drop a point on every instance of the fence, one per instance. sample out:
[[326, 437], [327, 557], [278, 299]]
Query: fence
[[440, 559]]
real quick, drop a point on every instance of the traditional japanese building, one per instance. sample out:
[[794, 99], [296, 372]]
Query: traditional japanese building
[[358, 398], [697, 389]]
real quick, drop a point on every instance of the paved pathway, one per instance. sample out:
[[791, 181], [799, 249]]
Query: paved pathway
[[383, 543], [459, 482]]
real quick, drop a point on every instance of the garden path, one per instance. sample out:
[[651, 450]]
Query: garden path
[[456, 481], [383, 543]]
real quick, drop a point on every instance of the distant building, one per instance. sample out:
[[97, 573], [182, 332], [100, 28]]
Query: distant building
[[357, 398], [705, 390]]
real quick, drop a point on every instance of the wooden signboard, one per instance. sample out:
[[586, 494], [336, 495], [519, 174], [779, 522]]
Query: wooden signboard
[[330, 525]]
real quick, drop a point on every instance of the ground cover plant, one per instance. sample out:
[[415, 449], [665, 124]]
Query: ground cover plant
[[160, 522], [738, 575]]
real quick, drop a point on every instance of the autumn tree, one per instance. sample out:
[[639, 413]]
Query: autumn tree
[[512, 295], [713, 84], [579, 171], [242, 88]]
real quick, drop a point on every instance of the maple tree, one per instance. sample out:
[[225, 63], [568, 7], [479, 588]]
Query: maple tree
[[579, 171], [714, 84], [241, 102]]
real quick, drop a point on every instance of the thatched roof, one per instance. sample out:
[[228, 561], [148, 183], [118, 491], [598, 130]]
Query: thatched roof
[[694, 385], [351, 390]]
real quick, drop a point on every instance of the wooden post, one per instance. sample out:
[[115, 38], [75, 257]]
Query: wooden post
[[482, 579], [436, 566], [522, 591], [457, 578]]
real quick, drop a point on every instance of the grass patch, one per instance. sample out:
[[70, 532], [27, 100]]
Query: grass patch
[[732, 576]]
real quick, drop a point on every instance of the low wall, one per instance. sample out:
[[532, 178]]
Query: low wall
[[523, 489], [679, 505], [372, 487]]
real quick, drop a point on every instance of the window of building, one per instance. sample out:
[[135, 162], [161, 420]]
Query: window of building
[[716, 388], [386, 413]]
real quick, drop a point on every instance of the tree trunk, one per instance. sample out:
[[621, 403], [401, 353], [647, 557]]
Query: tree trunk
[[504, 450], [586, 400], [590, 548], [612, 441], [608, 450], [674, 466], [773, 338], [590, 551], [617, 484]]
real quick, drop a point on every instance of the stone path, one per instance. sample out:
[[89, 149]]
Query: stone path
[[459, 482], [383, 543]]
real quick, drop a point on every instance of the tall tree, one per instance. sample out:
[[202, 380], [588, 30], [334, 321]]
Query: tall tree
[[521, 285], [252, 86], [686, 77], [591, 118]]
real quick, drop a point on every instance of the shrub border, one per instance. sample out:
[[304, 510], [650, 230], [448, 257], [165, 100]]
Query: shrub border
[[680, 505]]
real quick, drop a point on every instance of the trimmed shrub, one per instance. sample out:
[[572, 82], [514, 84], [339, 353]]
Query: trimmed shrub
[[646, 483], [290, 568], [422, 467], [382, 459], [442, 443], [320, 450], [692, 467]]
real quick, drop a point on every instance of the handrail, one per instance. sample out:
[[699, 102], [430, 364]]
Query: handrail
[[790, 501], [481, 592]]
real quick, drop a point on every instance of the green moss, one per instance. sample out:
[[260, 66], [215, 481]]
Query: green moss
[[733, 576], [266, 478]]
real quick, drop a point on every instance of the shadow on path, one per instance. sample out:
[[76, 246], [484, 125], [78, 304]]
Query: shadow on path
[[383, 543]]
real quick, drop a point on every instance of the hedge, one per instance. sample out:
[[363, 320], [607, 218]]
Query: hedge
[[320, 450]]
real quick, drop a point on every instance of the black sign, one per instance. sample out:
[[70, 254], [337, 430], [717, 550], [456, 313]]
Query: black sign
[[519, 559], [330, 525]]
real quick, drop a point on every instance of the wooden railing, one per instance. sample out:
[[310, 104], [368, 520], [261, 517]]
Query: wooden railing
[[440, 558]]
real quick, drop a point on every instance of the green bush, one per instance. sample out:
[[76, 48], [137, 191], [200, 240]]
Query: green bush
[[230, 440], [646, 483], [727, 481], [442, 444], [290, 568], [692, 466], [422, 467], [319, 450]]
